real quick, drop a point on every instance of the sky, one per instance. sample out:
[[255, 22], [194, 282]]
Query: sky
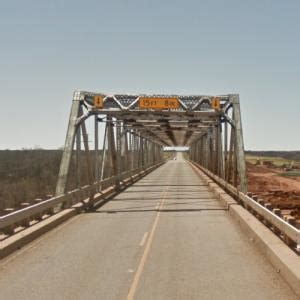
[[51, 48]]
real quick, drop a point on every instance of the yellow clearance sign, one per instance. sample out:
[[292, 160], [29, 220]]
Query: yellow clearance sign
[[158, 103], [216, 103], [98, 101]]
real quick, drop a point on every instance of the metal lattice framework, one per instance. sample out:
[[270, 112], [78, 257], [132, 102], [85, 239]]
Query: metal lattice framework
[[135, 135], [136, 128], [220, 148], [168, 127]]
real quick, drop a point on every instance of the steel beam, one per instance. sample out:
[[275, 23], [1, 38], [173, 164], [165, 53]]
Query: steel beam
[[69, 144], [113, 150], [240, 154]]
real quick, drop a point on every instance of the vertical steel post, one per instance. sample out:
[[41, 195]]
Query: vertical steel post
[[130, 150], [141, 154], [96, 149], [146, 152], [78, 159], [112, 150], [136, 151], [103, 154], [88, 160], [240, 154], [124, 149], [203, 150], [215, 150], [119, 149], [230, 158], [225, 148], [69, 144], [152, 159], [220, 152], [210, 149]]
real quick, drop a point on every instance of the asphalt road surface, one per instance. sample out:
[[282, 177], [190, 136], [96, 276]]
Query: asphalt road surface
[[165, 237]]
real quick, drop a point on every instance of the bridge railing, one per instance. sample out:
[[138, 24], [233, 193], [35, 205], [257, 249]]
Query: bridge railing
[[271, 217], [24, 217], [219, 153], [125, 155]]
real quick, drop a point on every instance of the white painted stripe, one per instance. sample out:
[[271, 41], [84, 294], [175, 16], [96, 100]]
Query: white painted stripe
[[143, 239]]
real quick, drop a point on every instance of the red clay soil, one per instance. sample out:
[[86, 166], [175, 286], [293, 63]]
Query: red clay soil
[[281, 192]]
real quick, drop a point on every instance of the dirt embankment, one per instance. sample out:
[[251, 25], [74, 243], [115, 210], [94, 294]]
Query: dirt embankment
[[282, 192]]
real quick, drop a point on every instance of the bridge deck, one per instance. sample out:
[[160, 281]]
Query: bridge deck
[[165, 237]]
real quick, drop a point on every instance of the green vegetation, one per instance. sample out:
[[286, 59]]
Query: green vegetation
[[277, 161], [288, 155], [290, 174], [29, 174], [26, 175], [277, 158]]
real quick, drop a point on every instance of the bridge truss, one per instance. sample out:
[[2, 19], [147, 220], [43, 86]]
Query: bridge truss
[[137, 127]]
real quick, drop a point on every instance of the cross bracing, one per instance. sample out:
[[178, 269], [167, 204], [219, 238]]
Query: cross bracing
[[137, 127], [169, 127]]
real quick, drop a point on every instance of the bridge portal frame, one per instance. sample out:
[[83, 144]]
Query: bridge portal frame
[[138, 134], [213, 134]]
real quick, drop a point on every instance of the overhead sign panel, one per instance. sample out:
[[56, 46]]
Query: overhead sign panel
[[158, 103]]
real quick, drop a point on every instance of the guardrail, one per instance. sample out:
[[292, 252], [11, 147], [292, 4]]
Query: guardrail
[[289, 233], [23, 217]]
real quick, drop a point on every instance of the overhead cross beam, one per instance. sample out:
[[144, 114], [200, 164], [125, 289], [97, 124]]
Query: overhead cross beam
[[158, 113]]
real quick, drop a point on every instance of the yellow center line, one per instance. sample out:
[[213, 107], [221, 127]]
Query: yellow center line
[[142, 263]]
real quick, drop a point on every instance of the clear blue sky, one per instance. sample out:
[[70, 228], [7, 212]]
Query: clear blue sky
[[50, 48]]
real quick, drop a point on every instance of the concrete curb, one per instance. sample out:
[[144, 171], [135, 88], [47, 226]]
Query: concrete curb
[[25, 236], [22, 238], [285, 260]]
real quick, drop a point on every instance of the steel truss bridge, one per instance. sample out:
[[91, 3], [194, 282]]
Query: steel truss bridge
[[154, 227]]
